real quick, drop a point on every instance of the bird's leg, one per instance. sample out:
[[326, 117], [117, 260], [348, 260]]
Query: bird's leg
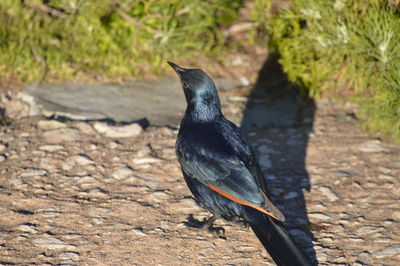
[[206, 224], [241, 222]]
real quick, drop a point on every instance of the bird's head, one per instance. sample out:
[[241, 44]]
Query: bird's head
[[198, 87]]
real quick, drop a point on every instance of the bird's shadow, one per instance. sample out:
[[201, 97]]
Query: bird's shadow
[[278, 122]]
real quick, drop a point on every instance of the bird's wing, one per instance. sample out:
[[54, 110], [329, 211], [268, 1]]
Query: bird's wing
[[231, 179]]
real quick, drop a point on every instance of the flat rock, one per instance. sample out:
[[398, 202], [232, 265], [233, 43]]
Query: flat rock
[[161, 101], [110, 131], [70, 256], [59, 136], [387, 251], [52, 243], [50, 124], [373, 146], [326, 191], [51, 148], [122, 172]]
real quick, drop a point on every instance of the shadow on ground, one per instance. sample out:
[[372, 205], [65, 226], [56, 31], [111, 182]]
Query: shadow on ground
[[278, 120]]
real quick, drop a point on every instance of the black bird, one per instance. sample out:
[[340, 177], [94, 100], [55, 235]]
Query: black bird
[[221, 170]]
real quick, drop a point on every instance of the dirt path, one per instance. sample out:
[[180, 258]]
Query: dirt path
[[69, 195]]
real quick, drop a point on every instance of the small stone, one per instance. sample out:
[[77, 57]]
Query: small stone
[[27, 228], [145, 160], [48, 163], [59, 136], [343, 173], [139, 231], [291, 195], [110, 131], [396, 215], [2, 158], [52, 243], [50, 124], [33, 173], [356, 239], [319, 216], [51, 148], [326, 191], [85, 128], [265, 149], [113, 145], [294, 143], [70, 256], [97, 192], [387, 251], [373, 146], [265, 161], [366, 230], [122, 172], [76, 160], [385, 170], [159, 196], [189, 204]]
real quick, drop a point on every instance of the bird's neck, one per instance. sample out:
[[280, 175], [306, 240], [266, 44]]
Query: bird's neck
[[203, 109]]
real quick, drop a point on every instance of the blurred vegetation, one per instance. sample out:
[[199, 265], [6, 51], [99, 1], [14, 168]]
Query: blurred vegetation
[[335, 45], [341, 45], [110, 37]]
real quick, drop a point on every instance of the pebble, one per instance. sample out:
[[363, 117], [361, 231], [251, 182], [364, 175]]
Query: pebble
[[85, 128], [59, 136], [188, 204], [159, 196], [294, 143], [50, 124], [326, 191], [265, 149], [52, 243], [291, 195], [27, 228], [145, 160], [51, 148], [373, 146], [48, 163], [265, 161], [387, 251], [70, 256], [33, 173], [110, 131], [319, 216], [139, 231], [122, 172], [76, 160], [365, 230]]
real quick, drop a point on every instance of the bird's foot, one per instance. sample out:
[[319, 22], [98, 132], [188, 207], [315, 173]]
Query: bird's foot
[[242, 223], [206, 224]]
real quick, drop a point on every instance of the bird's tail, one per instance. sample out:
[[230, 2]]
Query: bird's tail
[[277, 241]]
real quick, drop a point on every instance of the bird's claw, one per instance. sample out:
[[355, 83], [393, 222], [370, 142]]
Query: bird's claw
[[206, 224]]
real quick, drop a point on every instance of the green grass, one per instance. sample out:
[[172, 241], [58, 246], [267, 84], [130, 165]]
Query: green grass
[[112, 38], [334, 45]]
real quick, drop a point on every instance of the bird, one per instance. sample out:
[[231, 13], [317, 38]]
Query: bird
[[222, 172]]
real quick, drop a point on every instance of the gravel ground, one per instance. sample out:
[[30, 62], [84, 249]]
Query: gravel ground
[[71, 195]]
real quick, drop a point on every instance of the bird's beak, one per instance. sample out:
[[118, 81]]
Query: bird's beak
[[177, 68]]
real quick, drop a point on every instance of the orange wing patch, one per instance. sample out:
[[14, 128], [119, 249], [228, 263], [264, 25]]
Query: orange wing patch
[[233, 198]]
